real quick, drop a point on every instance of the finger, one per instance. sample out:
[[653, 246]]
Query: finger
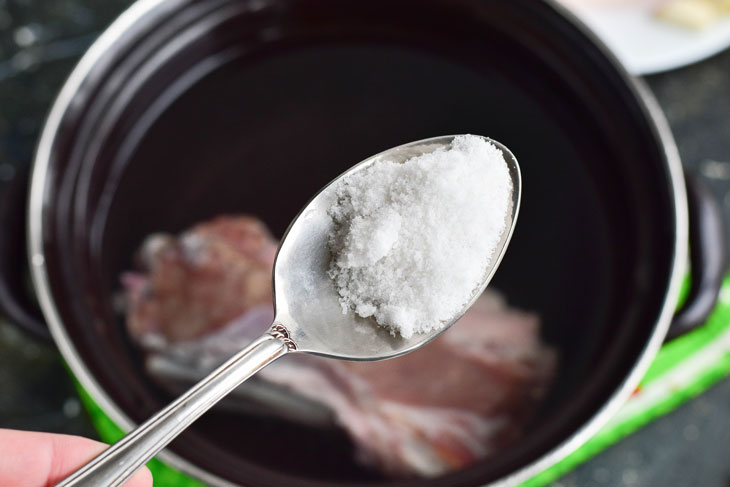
[[30, 459]]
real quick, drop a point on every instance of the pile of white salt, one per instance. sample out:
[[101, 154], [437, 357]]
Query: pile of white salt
[[412, 240]]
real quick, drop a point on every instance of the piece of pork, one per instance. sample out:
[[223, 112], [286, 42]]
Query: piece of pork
[[201, 281], [463, 396]]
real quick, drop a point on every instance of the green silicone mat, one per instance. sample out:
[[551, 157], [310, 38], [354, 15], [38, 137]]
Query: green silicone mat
[[683, 369]]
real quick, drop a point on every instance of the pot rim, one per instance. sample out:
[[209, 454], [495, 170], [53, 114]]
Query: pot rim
[[39, 272]]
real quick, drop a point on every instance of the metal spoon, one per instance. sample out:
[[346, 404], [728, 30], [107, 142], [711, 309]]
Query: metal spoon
[[308, 319]]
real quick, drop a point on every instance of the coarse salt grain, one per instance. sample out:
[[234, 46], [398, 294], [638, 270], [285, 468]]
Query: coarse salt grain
[[412, 240]]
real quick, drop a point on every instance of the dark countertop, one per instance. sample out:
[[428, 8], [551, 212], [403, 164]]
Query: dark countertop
[[40, 40]]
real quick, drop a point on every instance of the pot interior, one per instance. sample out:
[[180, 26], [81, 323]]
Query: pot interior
[[216, 107]]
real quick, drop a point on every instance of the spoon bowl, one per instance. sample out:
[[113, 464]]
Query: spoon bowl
[[307, 305], [308, 318]]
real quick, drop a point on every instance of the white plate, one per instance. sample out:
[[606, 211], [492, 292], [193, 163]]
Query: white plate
[[647, 45]]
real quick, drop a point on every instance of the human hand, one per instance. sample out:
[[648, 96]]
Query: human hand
[[29, 459]]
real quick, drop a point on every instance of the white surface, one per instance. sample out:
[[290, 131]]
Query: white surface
[[647, 45]]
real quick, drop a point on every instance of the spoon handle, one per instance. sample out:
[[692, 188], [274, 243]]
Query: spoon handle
[[117, 463]]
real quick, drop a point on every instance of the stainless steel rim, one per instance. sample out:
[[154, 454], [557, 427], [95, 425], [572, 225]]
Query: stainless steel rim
[[86, 378]]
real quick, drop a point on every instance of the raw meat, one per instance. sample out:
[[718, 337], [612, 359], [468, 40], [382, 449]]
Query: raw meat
[[197, 283], [470, 392]]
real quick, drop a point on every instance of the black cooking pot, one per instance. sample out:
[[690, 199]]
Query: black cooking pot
[[184, 110]]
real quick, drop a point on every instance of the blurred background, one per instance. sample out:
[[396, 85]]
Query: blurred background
[[686, 66]]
